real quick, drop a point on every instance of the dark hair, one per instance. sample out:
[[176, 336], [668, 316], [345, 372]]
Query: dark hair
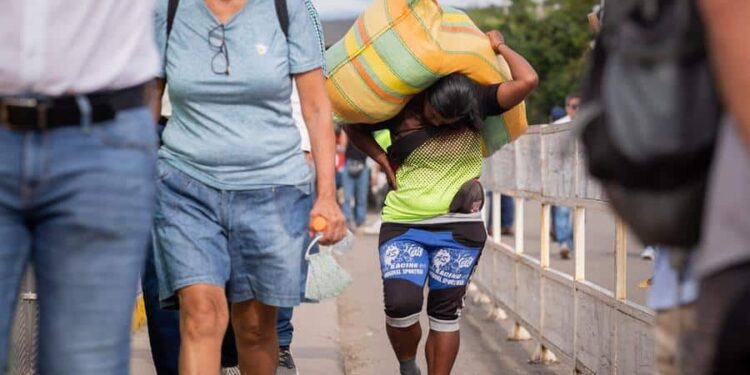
[[455, 97], [572, 96]]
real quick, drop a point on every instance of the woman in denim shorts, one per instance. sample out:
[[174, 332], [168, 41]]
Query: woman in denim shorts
[[234, 190]]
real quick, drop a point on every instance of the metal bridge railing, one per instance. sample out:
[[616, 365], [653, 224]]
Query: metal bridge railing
[[586, 327], [22, 359]]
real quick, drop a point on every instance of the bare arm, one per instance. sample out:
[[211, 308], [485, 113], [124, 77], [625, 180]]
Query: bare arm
[[316, 110], [728, 28], [361, 137], [525, 79]]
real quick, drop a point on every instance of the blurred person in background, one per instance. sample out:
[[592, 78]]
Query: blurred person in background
[[672, 296], [562, 224], [355, 179], [724, 267], [77, 155]]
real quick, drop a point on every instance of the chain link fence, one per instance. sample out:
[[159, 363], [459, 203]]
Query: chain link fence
[[25, 330]]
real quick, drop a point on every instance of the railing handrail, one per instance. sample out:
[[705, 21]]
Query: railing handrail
[[547, 165]]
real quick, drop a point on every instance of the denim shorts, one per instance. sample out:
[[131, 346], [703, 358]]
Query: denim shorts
[[250, 242]]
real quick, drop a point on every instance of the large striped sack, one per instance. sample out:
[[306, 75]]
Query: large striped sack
[[398, 48]]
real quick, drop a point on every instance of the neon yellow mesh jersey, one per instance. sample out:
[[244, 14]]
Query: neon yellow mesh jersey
[[435, 164], [432, 174]]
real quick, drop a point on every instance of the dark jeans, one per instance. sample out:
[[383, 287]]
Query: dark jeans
[[721, 298], [164, 328], [507, 210]]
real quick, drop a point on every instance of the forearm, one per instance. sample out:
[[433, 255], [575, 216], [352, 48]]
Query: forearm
[[521, 69], [524, 81], [365, 141], [728, 28], [323, 145], [155, 98]]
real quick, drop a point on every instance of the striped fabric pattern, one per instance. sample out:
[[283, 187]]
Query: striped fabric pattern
[[398, 48]]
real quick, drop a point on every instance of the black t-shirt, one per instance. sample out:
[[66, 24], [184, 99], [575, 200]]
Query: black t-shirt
[[404, 144]]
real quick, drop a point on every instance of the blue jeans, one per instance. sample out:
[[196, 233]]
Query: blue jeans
[[284, 327], [77, 204], [561, 220], [507, 210], [356, 189]]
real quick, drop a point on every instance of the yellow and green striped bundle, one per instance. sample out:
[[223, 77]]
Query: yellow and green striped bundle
[[398, 48]]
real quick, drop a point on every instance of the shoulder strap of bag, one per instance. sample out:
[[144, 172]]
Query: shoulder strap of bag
[[282, 13], [171, 12]]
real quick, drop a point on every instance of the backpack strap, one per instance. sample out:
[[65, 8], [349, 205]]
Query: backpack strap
[[282, 13], [171, 12]]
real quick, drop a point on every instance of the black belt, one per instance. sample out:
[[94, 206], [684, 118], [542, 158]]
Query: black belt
[[29, 113]]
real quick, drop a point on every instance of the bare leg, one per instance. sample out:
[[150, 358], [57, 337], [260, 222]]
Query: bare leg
[[405, 340], [441, 351], [204, 316], [255, 328]]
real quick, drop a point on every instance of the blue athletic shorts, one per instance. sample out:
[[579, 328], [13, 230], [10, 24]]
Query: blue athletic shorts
[[443, 256]]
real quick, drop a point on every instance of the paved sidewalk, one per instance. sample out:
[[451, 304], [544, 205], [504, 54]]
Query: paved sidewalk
[[484, 349], [315, 347], [347, 335]]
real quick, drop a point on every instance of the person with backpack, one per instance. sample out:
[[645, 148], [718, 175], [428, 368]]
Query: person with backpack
[[234, 190], [562, 219], [356, 182], [432, 231], [723, 306]]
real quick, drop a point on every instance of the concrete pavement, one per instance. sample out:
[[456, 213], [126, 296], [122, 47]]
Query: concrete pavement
[[316, 342], [347, 335]]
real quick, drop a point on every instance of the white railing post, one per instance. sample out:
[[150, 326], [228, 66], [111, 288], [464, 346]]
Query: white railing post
[[544, 236], [621, 260], [496, 207], [485, 217], [518, 225], [579, 239]]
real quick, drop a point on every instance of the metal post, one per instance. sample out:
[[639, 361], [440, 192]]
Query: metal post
[[621, 259], [496, 207], [545, 241], [579, 239], [484, 215], [519, 225]]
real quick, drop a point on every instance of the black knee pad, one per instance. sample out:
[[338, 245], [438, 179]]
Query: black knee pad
[[403, 302], [444, 308]]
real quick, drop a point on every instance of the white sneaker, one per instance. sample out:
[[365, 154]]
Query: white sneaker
[[648, 253], [231, 371], [373, 228]]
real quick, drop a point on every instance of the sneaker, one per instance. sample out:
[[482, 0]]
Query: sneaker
[[374, 228], [648, 253], [286, 363], [508, 231], [565, 252], [231, 371]]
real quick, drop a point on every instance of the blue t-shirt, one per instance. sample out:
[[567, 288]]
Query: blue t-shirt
[[236, 132]]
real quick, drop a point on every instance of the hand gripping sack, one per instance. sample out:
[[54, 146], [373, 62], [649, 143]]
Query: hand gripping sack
[[650, 116], [398, 48]]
